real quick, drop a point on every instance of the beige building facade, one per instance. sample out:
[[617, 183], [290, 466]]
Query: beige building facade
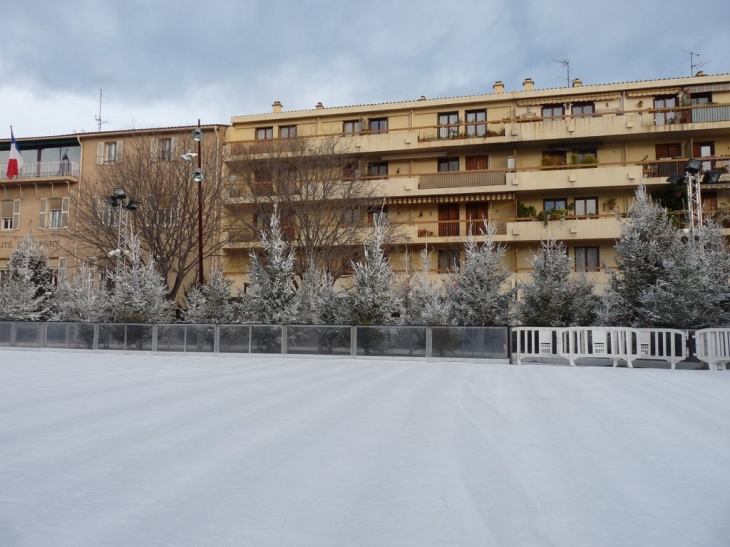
[[536, 163]]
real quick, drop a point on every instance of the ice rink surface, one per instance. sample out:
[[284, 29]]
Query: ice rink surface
[[155, 450]]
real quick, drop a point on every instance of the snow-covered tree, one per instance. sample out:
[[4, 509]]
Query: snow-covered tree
[[272, 279], [80, 300], [647, 239], [140, 292], [24, 296], [693, 290], [552, 297], [372, 299], [476, 290], [423, 301], [211, 303]]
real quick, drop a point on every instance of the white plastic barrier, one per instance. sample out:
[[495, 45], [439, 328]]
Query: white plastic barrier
[[615, 343], [536, 342], [713, 347]]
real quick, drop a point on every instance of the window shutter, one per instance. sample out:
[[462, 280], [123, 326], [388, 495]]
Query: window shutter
[[16, 214], [61, 268], [119, 151], [173, 148], [44, 209], [65, 206], [154, 150], [100, 153]]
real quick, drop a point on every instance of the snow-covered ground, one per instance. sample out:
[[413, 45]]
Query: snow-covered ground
[[155, 450]]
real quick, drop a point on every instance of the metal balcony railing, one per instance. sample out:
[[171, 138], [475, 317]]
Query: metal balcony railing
[[44, 169], [462, 179]]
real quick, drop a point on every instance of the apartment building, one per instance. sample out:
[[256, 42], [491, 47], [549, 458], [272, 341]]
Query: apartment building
[[39, 200], [537, 163]]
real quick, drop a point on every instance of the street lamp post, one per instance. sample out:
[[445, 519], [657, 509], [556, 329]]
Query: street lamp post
[[197, 176]]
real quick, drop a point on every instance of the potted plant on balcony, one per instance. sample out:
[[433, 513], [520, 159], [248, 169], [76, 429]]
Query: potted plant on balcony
[[611, 204], [524, 211], [554, 214]]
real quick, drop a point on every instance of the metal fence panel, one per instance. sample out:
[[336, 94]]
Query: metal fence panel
[[318, 340], [200, 338], [391, 341], [265, 339], [171, 338], [234, 339]]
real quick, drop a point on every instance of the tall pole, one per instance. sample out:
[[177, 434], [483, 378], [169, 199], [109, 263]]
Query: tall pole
[[200, 219]]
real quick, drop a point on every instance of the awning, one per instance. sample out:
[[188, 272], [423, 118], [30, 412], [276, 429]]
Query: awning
[[706, 88], [413, 156], [464, 198], [654, 91], [563, 99]]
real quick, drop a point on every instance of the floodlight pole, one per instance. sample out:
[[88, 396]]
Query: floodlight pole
[[694, 201], [201, 279]]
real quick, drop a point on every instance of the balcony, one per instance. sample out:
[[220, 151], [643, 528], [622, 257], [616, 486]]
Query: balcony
[[595, 227], [34, 170], [463, 179]]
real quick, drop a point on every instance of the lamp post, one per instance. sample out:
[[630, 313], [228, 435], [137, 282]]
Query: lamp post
[[197, 176], [124, 202]]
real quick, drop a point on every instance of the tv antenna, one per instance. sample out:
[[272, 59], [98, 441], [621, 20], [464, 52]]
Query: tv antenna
[[692, 64], [98, 119], [566, 64]]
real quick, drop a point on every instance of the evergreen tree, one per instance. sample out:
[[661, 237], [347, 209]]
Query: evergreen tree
[[423, 301], [272, 280], [211, 303], [647, 239], [140, 292], [693, 290], [476, 293], [79, 300], [372, 300], [25, 295], [552, 298]]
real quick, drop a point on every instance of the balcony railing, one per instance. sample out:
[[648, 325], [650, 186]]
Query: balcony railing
[[44, 169], [462, 179]]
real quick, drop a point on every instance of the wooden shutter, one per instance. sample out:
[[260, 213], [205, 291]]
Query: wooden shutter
[[118, 159], [474, 163], [100, 153], [155, 150], [173, 148], [65, 206], [16, 214], [44, 213]]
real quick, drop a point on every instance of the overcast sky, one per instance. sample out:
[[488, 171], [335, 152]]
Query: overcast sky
[[163, 63]]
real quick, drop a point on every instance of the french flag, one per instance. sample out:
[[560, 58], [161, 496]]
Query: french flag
[[15, 161]]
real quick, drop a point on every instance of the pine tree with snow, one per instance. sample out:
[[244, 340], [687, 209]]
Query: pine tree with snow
[[553, 297], [140, 292], [25, 295], [372, 299], [423, 300], [211, 303], [647, 239], [476, 290], [693, 290], [272, 280], [79, 300]]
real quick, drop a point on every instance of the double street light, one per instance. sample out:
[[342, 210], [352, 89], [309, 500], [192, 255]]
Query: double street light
[[691, 178], [197, 176]]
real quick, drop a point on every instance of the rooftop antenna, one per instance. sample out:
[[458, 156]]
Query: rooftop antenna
[[692, 64], [98, 119], [566, 64]]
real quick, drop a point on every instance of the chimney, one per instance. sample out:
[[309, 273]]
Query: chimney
[[422, 98], [528, 84], [320, 106], [498, 87], [577, 83], [277, 107], [700, 73]]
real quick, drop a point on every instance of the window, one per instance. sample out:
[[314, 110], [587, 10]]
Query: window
[[448, 216], [667, 116], [166, 214], [586, 259], [448, 164], [378, 125], [164, 149], [584, 156], [450, 119], [553, 111], [474, 129], [586, 206], [351, 126], [704, 150], [109, 152], [449, 260], [700, 98], [287, 131], [583, 110], [10, 214], [351, 215], [54, 213], [261, 220], [106, 212], [263, 133], [379, 169], [58, 273], [557, 203]]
